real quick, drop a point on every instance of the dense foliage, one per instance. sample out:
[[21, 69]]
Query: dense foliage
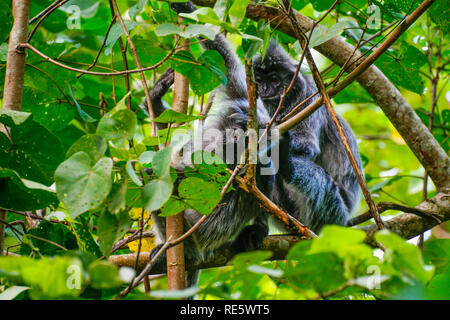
[[78, 153]]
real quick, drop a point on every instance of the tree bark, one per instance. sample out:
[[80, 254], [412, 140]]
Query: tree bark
[[176, 273]]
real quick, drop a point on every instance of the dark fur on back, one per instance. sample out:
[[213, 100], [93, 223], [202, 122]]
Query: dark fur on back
[[316, 182]]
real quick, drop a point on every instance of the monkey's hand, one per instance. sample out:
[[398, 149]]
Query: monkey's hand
[[250, 238], [183, 7]]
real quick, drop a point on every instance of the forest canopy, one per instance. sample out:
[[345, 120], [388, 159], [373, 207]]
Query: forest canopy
[[84, 162]]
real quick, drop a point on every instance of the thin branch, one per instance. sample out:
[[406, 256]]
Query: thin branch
[[99, 52], [121, 243], [289, 221], [294, 78], [145, 271], [106, 74], [44, 14], [384, 206], [138, 64], [3, 222], [123, 52]]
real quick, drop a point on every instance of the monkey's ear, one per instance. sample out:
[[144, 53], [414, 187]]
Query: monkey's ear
[[186, 7]]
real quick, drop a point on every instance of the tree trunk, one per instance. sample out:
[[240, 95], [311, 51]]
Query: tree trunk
[[15, 71]]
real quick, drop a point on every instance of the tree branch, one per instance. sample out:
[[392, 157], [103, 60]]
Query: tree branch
[[405, 225]]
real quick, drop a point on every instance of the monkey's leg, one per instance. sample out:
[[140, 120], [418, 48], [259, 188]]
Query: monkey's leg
[[313, 196]]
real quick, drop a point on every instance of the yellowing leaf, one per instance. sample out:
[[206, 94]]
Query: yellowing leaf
[[135, 214], [147, 245]]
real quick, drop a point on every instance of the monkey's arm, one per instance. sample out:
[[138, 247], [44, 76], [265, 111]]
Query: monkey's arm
[[158, 91], [236, 85], [314, 195], [317, 186]]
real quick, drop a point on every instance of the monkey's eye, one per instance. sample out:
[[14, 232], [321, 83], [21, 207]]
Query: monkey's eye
[[258, 80], [274, 79]]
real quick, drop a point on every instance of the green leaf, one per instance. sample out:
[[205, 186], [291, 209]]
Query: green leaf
[[237, 12], [405, 257], [172, 207], [346, 243], [437, 252], [55, 232], [161, 162], [82, 186], [85, 116], [24, 195], [116, 32], [209, 167], [322, 271], [118, 197], [13, 118], [156, 193], [247, 258], [322, 5], [199, 194], [104, 275], [85, 240], [136, 9], [146, 157], [270, 272], [48, 278], [118, 126], [382, 184], [3, 52], [202, 74], [195, 30], [322, 34], [439, 13], [132, 174], [205, 15], [437, 289], [6, 17], [94, 145], [172, 116], [33, 151], [354, 93], [402, 67], [111, 228], [403, 5]]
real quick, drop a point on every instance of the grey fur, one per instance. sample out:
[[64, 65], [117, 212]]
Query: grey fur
[[316, 182]]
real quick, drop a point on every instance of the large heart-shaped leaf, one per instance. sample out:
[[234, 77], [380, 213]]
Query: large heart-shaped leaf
[[82, 186]]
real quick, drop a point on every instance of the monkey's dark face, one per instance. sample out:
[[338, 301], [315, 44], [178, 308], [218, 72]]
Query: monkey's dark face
[[269, 85]]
